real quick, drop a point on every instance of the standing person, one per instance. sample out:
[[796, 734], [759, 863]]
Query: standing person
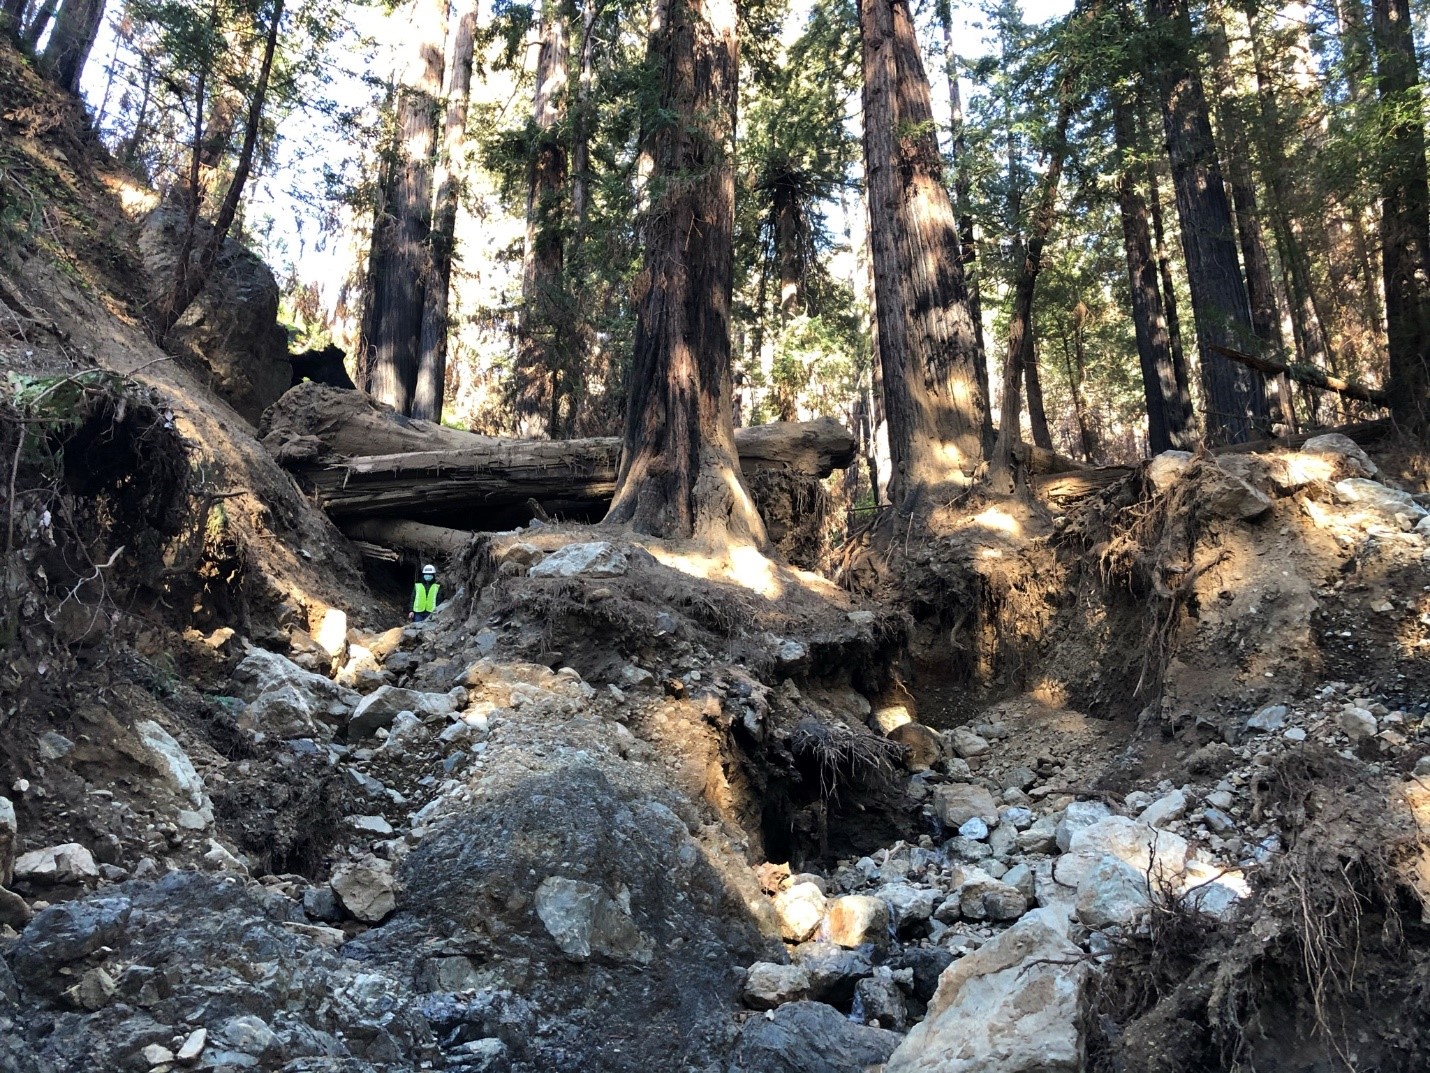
[[424, 595]]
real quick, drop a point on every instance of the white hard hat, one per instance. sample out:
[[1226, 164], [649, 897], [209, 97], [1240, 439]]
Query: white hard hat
[[429, 569]]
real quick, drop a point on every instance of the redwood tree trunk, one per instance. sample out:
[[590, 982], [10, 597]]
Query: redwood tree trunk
[[432, 370], [1235, 396], [1037, 412], [680, 476], [1166, 407], [934, 401], [1404, 211], [543, 362], [400, 266], [76, 26]]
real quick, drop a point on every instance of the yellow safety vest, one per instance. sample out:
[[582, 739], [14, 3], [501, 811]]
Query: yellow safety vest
[[424, 597]]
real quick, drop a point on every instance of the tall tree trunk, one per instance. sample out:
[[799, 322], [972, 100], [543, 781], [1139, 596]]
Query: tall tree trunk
[[582, 121], [1037, 412], [1235, 396], [457, 91], [400, 265], [191, 280], [1077, 383], [1166, 408], [1169, 295], [1020, 319], [962, 197], [927, 347], [38, 21], [12, 17], [76, 26], [543, 360], [680, 476], [1404, 211]]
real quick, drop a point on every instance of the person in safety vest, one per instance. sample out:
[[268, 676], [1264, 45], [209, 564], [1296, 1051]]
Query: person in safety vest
[[424, 595]]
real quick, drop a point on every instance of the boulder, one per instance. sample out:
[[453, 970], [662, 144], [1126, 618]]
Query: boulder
[[1166, 808], [878, 1000], [1077, 816], [172, 761], [287, 712], [67, 863], [833, 971], [585, 920], [366, 888], [1166, 469], [887, 718], [1225, 495], [768, 985], [809, 1037], [967, 744], [379, 708], [1112, 892], [1391, 504], [1148, 851], [1011, 1006], [800, 908], [909, 906], [598, 559], [854, 920], [232, 327], [304, 698], [990, 899], [957, 803], [923, 747]]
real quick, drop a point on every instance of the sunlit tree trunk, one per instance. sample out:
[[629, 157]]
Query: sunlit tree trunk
[[679, 475], [77, 25], [1234, 395], [400, 265], [432, 360], [927, 347]]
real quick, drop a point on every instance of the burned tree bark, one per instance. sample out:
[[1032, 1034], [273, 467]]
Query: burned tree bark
[[679, 474]]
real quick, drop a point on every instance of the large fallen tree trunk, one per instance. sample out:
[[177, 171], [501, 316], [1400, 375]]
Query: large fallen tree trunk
[[364, 460], [1308, 374], [424, 541]]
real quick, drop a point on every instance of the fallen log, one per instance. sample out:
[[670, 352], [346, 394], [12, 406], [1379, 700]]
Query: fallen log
[[364, 460], [1306, 374], [423, 541]]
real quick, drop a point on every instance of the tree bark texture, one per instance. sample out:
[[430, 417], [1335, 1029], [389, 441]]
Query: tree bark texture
[[1234, 396], [77, 24], [400, 265], [1166, 406], [456, 92], [679, 472], [1169, 292], [1037, 411], [1405, 211], [934, 400], [545, 359]]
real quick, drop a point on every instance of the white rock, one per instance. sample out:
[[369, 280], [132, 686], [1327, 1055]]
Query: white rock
[[67, 863], [1358, 723], [957, 803], [1214, 891], [367, 888], [381, 707], [975, 827], [967, 744], [157, 1054], [1147, 850], [1112, 892], [1165, 809], [1349, 455], [1270, 718], [370, 825], [799, 909], [9, 832], [1392, 504], [1079, 816], [1167, 468], [172, 761], [1011, 1006], [332, 632], [908, 904], [193, 1046], [597, 559], [888, 717]]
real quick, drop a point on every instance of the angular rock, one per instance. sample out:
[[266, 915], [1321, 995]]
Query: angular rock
[[878, 1000], [800, 908], [367, 888], [598, 559], [1225, 495], [1348, 455], [585, 920], [1011, 1006], [909, 906], [68, 863], [1268, 719], [809, 1037], [287, 712], [193, 1045], [1169, 807], [1392, 504], [990, 899], [1167, 468], [768, 985], [967, 744], [1358, 723], [854, 920], [379, 708], [1040, 837], [63, 935], [833, 971], [178, 769], [1078, 816], [1113, 892], [332, 633], [301, 699], [956, 803]]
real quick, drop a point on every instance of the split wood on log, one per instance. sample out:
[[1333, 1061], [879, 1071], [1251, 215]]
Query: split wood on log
[[364, 460]]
